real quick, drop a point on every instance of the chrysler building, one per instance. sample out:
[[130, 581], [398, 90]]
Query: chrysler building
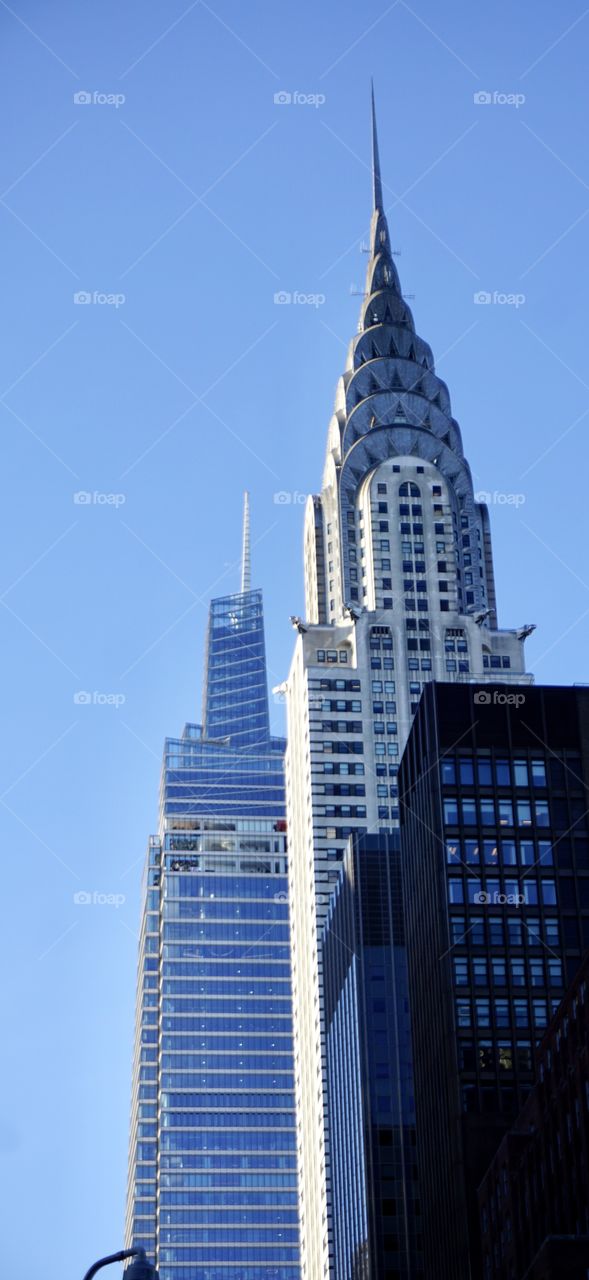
[[399, 590]]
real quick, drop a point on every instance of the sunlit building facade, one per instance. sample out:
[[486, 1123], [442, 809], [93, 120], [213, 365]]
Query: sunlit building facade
[[399, 591]]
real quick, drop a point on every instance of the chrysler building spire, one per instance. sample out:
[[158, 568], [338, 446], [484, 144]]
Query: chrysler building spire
[[376, 178]]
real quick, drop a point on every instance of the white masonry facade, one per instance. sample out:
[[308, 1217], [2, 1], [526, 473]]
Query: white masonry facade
[[399, 590]]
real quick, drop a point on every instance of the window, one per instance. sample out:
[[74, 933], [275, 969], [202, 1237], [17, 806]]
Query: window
[[540, 1009], [469, 812], [538, 769], [502, 1013], [463, 1013], [548, 892], [505, 813], [503, 773], [545, 856], [520, 773], [508, 857], [452, 851], [542, 814], [518, 973], [499, 971], [448, 771], [527, 853], [485, 774], [524, 813], [466, 773], [520, 1013], [457, 928], [496, 931], [487, 813], [483, 1011], [455, 890]]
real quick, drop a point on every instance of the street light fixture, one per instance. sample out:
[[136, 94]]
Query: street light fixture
[[140, 1269]]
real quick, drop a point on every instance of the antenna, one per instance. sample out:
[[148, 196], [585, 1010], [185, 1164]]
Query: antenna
[[246, 562]]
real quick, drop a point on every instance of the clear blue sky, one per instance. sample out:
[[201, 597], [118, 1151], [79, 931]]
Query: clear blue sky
[[198, 198]]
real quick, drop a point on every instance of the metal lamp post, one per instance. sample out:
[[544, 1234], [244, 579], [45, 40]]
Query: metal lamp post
[[140, 1269]]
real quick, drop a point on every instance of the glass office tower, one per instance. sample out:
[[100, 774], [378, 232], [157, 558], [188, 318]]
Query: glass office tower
[[212, 1174], [369, 1070], [495, 871]]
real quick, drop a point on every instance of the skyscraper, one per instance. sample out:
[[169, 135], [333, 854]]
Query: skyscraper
[[399, 591], [495, 871], [369, 1089], [212, 1166]]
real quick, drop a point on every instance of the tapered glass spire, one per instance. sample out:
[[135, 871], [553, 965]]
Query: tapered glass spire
[[235, 703], [246, 560]]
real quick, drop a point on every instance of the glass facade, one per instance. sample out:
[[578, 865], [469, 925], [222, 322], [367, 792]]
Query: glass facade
[[212, 1178], [495, 858], [372, 1168], [235, 701]]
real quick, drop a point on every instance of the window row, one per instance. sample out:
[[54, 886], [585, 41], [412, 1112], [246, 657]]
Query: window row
[[511, 893], [495, 853], [520, 773], [490, 812], [501, 1012], [477, 971]]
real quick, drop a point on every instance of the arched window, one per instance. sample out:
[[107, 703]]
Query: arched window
[[409, 490]]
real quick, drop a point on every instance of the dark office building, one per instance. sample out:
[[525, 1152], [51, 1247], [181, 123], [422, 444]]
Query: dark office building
[[534, 1200], [368, 1072], [495, 867]]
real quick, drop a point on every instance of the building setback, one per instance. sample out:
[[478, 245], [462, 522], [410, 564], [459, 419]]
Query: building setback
[[534, 1199], [495, 869], [399, 590], [369, 1081], [212, 1167]]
